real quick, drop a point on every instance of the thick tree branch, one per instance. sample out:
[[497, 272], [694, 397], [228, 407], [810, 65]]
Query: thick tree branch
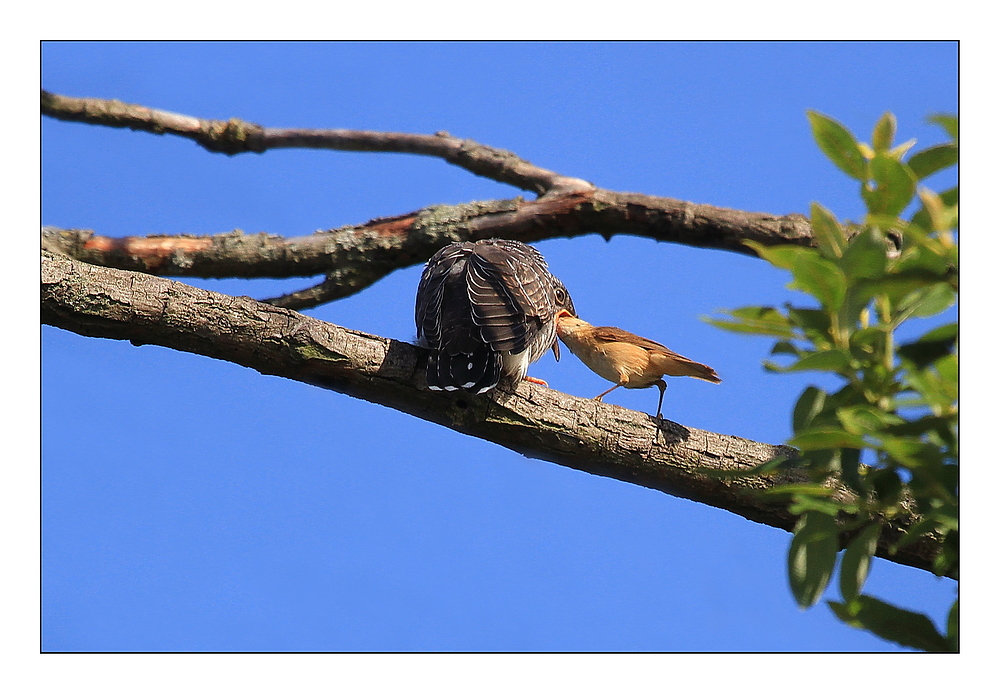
[[538, 422]]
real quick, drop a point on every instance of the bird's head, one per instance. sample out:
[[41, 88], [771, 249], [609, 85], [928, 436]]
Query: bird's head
[[567, 324], [564, 303]]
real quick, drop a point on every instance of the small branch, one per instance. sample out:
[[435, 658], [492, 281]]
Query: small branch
[[538, 422], [236, 136]]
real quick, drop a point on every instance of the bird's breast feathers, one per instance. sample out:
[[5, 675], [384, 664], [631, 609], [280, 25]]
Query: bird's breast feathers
[[618, 362]]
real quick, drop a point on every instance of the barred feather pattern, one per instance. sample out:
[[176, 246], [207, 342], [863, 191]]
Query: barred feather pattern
[[486, 310]]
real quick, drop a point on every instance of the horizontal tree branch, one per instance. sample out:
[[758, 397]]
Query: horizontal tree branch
[[538, 422], [356, 256]]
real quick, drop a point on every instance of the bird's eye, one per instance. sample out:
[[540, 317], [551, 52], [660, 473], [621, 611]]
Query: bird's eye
[[560, 295]]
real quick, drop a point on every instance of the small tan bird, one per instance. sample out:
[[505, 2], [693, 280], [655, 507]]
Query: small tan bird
[[626, 359]]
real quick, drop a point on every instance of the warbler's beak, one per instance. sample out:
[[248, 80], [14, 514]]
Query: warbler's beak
[[562, 314]]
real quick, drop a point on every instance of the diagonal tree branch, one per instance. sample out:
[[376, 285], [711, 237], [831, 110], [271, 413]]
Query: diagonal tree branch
[[538, 422]]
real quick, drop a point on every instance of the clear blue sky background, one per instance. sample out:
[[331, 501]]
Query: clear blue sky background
[[194, 505]]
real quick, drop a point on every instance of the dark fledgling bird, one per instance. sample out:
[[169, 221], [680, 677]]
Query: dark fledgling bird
[[486, 310], [626, 359]]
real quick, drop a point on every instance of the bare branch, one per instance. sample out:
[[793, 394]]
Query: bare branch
[[538, 422], [236, 136]]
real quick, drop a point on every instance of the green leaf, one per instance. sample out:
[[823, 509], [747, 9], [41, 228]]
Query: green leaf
[[822, 279], [827, 230], [909, 629], [953, 627], [922, 217], [929, 301], [935, 390], [912, 452], [758, 320], [898, 151], [785, 347], [741, 328], [942, 217], [887, 486], [924, 425], [947, 366], [931, 347], [815, 323], [947, 559], [812, 556], [941, 332], [933, 159], [868, 344], [916, 531], [895, 186], [822, 462], [803, 503], [897, 285], [857, 560], [938, 483], [921, 262], [817, 439], [884, 132], [809, 404], [866, 255], [783, 255], [866, 419], [849, 463], [839, 145], [947, 121], [759, 314], [836, 360]]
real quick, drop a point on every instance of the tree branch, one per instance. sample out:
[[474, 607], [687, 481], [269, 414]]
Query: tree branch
[[354, 257], [235, 136], [533, 420]]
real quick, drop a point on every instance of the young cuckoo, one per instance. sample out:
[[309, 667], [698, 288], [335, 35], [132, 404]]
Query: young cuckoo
[[485, 310]]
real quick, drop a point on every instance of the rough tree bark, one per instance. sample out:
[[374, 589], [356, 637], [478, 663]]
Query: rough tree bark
[[107, 287], [533, 420]]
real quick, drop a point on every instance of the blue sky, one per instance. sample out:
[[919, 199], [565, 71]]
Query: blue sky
[[194, 505]]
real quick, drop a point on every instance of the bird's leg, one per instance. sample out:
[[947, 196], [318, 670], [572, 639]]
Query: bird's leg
[[598, 398], [662, 385]]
